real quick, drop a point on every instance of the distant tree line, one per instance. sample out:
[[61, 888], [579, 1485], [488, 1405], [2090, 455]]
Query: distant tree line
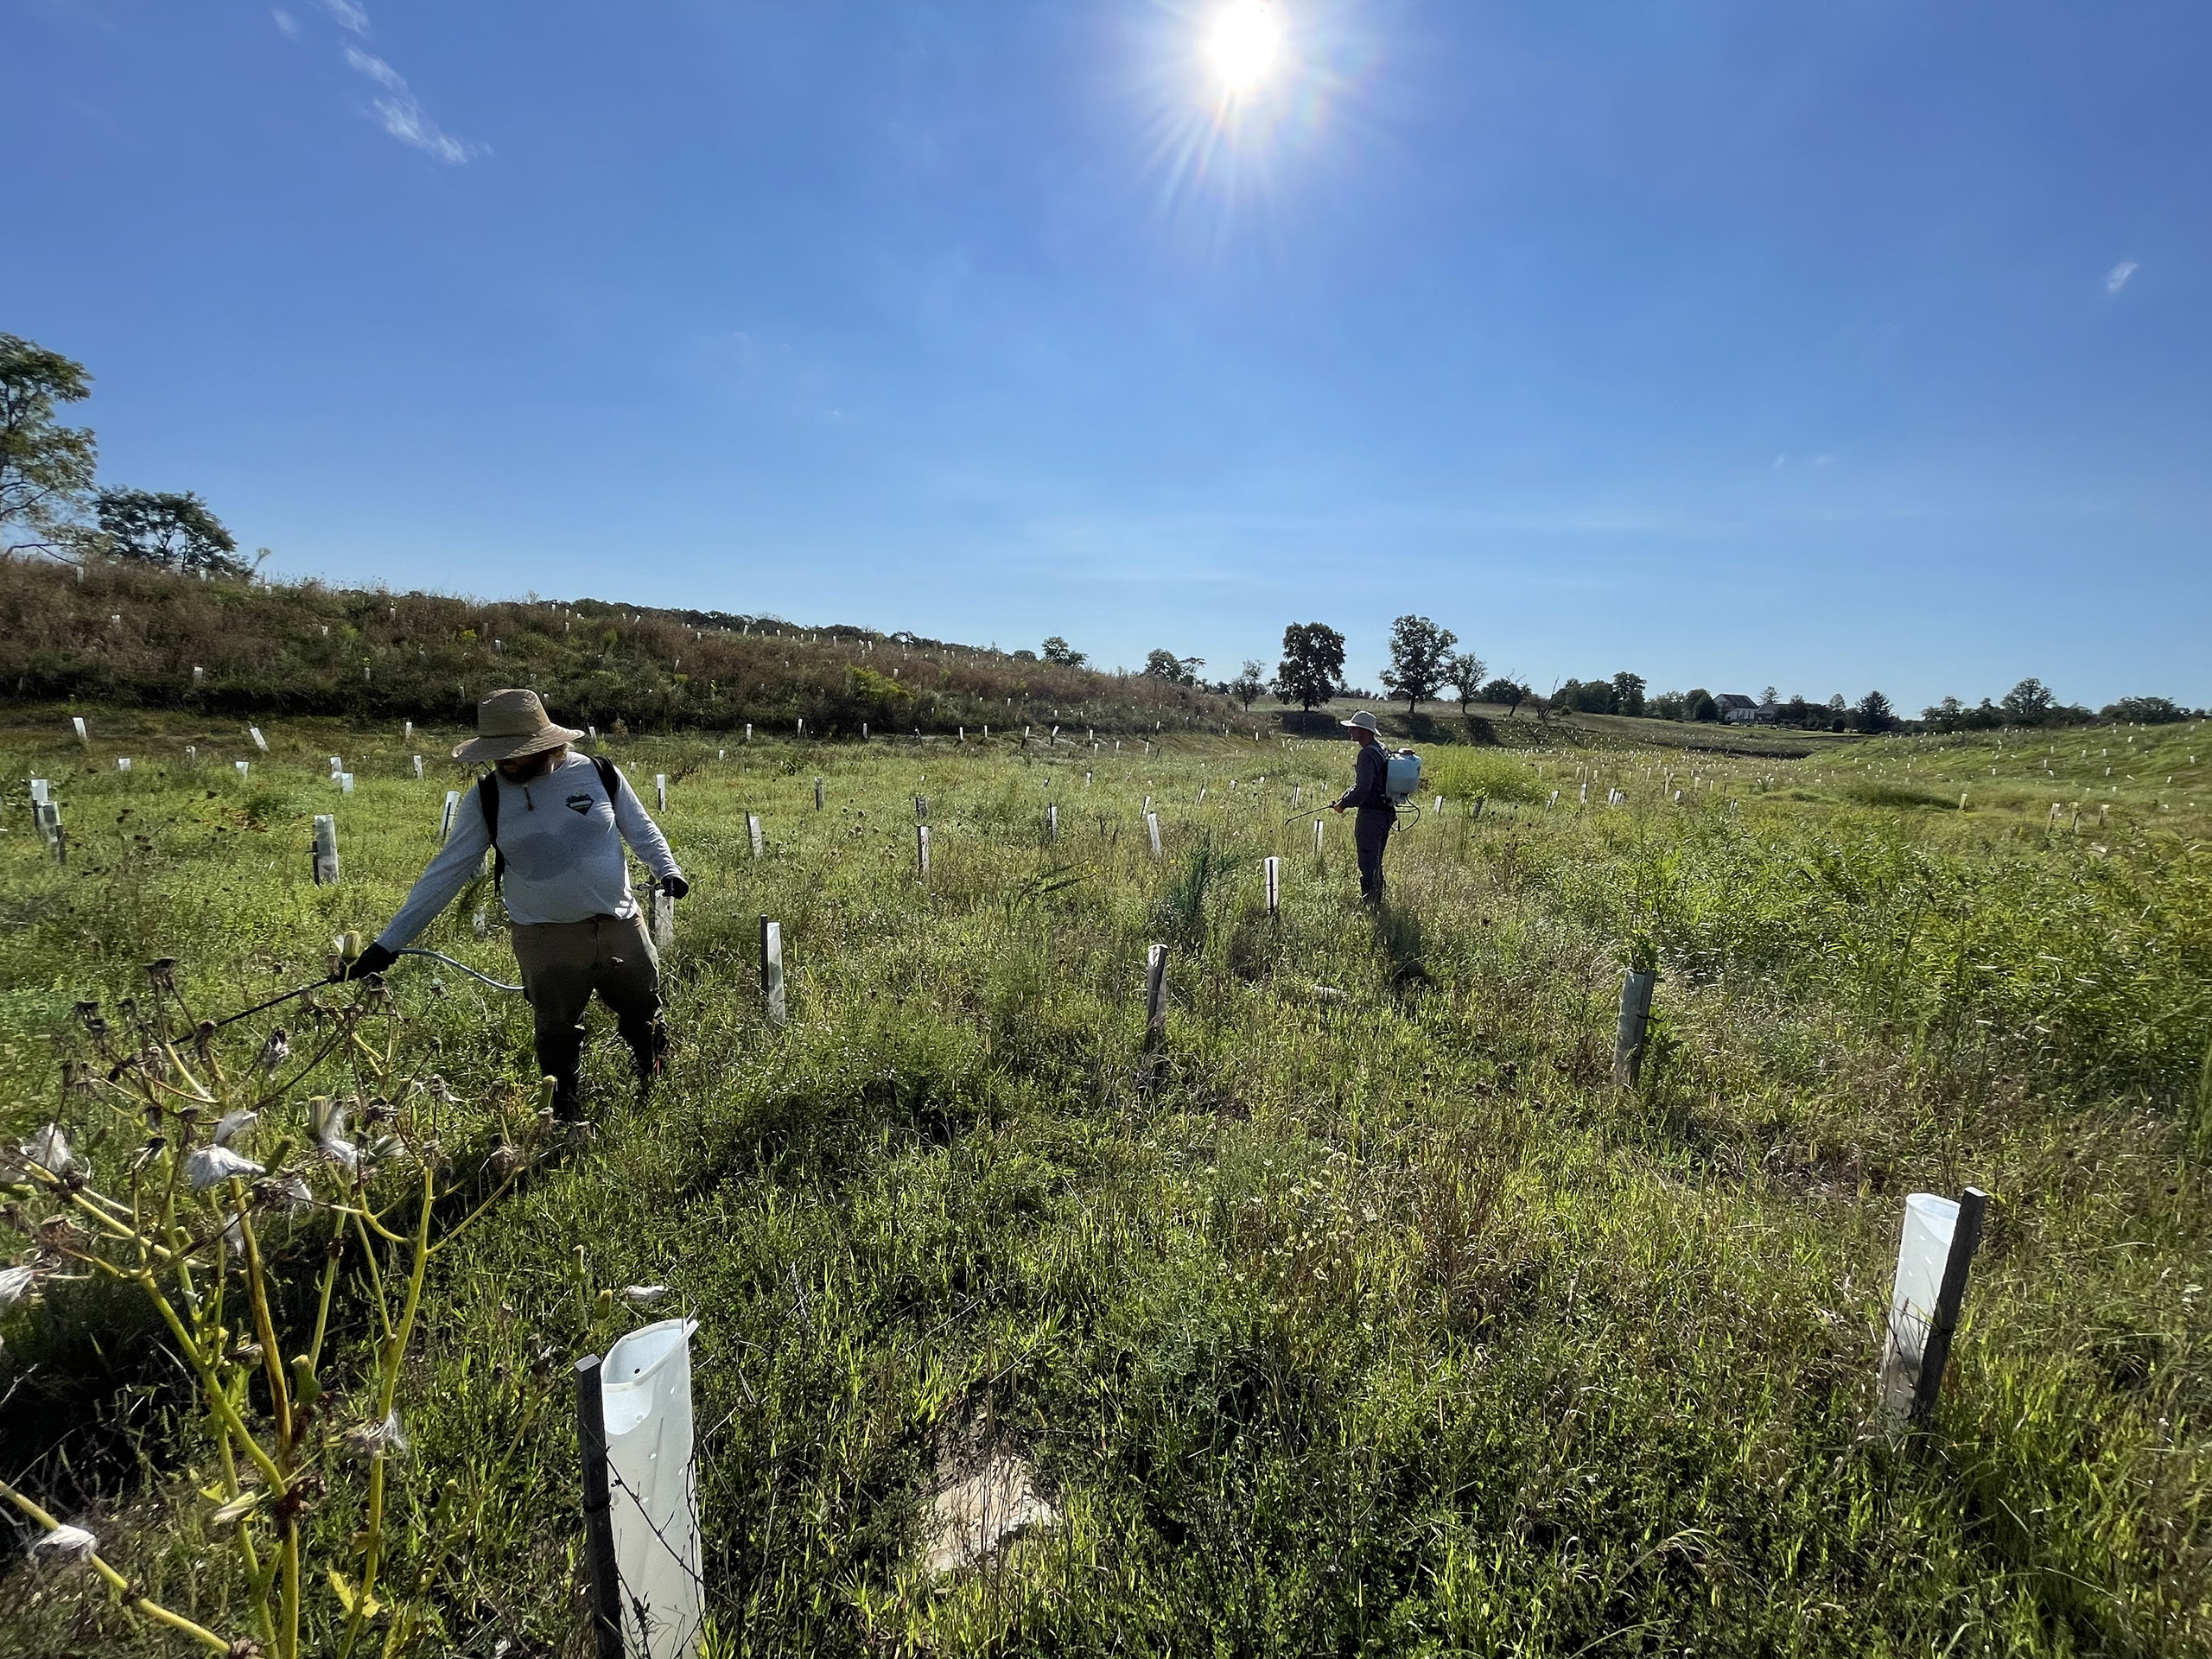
[[2033, 703]]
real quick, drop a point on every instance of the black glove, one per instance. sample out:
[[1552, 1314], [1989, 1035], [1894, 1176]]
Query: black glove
[[374, 960], [675, 886]]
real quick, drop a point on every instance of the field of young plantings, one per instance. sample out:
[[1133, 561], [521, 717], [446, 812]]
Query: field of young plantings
[[1367, 1315]]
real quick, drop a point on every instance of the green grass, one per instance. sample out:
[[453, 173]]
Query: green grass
[[1376, 1320]]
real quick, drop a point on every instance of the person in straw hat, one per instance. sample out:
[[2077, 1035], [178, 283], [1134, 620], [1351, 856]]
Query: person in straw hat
[[556, 823], [1370, 794]]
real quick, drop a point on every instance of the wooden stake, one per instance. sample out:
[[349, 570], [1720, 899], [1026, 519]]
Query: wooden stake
[[599, 1516], [1935, 1354], [1156, 1000]]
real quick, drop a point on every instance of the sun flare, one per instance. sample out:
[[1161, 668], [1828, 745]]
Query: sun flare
[[1243, 44]]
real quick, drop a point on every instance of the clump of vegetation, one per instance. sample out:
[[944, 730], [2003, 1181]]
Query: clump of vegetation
[[210, 1183], [132, 632], [1466, 775]]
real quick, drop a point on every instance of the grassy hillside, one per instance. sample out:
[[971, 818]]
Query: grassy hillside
[[128, 635], [1373, 1318]]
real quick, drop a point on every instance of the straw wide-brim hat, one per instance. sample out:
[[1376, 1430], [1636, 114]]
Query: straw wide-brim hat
[[1364, 721], [509, 725]]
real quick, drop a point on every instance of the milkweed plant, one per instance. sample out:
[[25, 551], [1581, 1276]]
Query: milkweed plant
[[268, 1173]]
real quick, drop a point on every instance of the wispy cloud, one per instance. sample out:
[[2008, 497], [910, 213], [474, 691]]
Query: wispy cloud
[[403, 114], [287, 25], [2116, 278], [348, 14]]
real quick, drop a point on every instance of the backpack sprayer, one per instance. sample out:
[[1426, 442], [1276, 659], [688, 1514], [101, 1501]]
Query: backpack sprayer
[[1401, 777]]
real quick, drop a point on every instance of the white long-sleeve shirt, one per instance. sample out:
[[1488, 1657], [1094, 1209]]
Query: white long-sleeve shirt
[[563, 842]]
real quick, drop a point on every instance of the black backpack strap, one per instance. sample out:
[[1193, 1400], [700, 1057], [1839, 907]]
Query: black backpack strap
[[609, 779], [487, 802]]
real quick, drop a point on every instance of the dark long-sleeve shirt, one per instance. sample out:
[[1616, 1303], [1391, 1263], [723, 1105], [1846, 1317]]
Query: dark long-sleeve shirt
[[1368, 779]]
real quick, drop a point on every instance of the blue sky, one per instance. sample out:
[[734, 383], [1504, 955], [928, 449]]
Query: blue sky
[[1734, 344]]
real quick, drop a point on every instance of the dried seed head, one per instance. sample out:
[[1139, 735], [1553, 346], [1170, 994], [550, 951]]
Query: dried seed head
[[16, 1283], [643, 1295], [161, 973], [70, 1546], [233, 1123], [275, 1051], [367, 1441], [287, 1187], [50, 1150], [59, 1236], [205, 1167]]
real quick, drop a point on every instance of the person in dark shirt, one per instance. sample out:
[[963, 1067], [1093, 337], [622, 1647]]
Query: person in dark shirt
[[1368, 793]]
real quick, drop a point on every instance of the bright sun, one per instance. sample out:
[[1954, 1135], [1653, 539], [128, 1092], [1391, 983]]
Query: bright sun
[[1243, 43]]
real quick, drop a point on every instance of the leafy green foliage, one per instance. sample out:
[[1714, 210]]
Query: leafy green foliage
[[1313, 666], [166, 528], [1421, 659], [45, 467]]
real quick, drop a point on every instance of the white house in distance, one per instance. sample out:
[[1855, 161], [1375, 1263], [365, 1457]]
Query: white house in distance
[[1737, 710]]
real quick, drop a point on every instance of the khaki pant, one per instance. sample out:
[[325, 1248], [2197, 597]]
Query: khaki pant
[[562, 963]]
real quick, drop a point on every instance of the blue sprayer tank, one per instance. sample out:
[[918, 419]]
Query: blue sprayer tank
[[1402, 777]]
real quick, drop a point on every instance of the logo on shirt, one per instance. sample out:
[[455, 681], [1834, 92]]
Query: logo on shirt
[[579, 803]]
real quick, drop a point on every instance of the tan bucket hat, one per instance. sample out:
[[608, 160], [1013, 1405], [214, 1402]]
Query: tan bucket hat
[[509, 725], [1364, 721]]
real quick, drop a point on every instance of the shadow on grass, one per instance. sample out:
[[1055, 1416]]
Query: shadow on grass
[[1399, 934]]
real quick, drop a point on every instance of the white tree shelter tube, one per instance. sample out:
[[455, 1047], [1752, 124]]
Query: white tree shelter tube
[[644, 1389]]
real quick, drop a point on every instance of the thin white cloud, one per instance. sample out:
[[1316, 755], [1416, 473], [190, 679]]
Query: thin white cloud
[[287, 25], [376, 69], [2116, 278], [348, 14], [402, 112]]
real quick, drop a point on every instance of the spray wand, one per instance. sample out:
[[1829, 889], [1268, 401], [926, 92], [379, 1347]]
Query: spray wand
[[334, 979]]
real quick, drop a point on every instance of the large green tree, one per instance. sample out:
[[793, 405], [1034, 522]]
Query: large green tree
[[45, 467], [2029, 703], [164, 527], [1874, 712], [1164, 664], [1057, 650], [1313, 666], [1421, 659], [1464, 674], [1251, 680]]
